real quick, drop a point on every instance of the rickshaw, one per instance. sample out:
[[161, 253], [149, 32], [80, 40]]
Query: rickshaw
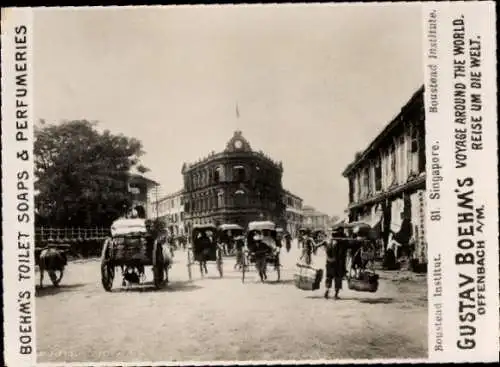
[[228, 233], [133, 251], [359, 241], [262, 248], [204, 248]]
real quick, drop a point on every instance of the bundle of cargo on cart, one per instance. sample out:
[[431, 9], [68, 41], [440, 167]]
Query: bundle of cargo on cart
[[133, 245]]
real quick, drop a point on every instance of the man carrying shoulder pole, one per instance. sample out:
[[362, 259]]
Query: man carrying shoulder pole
[[335, 262]]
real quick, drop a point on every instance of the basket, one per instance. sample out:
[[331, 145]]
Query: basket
[[307, 278], [367, 281]]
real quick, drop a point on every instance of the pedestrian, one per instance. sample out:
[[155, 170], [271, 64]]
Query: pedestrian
[[239, 244], [335, 263], [288, 239], [307, 249]]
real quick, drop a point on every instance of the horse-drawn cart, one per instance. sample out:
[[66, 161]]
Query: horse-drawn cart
[[132, 251], [263, 248], [204, 248]]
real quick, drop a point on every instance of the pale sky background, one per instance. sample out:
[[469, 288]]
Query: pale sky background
[[314, 84]]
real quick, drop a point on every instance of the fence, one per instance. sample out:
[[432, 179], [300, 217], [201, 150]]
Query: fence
[[84, 242], [69, 235]]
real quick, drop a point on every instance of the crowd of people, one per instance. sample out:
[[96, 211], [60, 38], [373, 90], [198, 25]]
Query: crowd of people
[[336, 246]]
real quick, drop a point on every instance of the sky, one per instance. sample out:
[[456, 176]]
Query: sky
[[313, 84]]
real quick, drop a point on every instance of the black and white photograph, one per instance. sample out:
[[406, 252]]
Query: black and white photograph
[[230, 183]]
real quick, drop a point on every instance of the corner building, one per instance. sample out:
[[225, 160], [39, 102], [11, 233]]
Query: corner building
[[236, 186], [387, 180]]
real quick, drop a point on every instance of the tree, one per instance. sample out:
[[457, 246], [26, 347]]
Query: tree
[[81, 173]]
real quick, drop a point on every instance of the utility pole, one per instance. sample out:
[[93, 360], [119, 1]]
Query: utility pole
[[156, 200]]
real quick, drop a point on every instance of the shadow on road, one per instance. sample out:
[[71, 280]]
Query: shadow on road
[[173, 286], [384, 300], [373, 301], [49, 290], [281, 282]]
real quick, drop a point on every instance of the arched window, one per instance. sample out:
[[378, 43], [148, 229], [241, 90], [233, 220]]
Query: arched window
[[239, 173], [202, 178], [240, 198], [219, 174], [206, 177], [220, 199]]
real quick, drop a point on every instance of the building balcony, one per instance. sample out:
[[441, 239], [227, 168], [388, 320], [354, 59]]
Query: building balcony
[[414, 183]]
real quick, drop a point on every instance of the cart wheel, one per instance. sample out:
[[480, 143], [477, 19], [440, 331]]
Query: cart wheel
[[158, 265], [56, 276], [107, 268], [220, 264], [190, 274]]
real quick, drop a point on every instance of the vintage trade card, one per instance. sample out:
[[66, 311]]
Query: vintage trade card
[[250, 184]]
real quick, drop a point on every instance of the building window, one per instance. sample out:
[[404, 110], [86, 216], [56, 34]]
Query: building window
[[392, 165], [220, 199], [239, 173], [413, 150], [219, 175], [351, 189], [378, 175], [421, 146], [401, 159], [365, 181], [240, 198]]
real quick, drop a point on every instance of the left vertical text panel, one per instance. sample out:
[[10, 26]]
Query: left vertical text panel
[[17, 187]]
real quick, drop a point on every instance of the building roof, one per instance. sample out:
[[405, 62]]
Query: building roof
[[142, 177], [236, 145], [287, 192], [171, 195], [311, 211], [384, 133]]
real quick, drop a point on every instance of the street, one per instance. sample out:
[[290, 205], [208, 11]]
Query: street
[[225, 319]]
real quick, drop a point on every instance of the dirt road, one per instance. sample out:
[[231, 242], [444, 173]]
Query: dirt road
[[223, 319]]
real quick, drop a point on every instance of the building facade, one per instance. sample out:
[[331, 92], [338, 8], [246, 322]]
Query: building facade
[[315, 219], [387, 180], [141, 189], [170, 209], [293, 212], [237, 185]]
